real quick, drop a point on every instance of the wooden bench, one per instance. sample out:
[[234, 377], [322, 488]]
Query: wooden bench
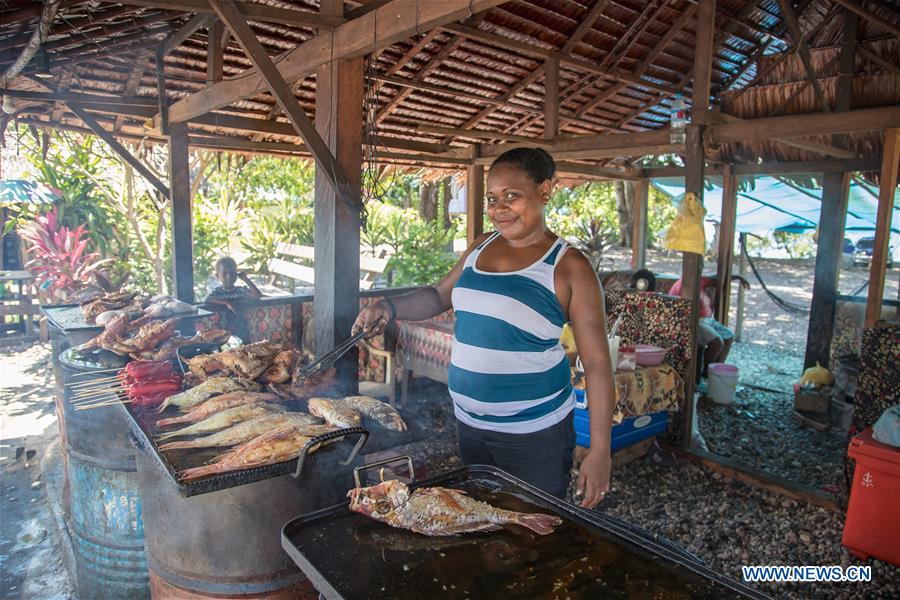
[[294, 263]]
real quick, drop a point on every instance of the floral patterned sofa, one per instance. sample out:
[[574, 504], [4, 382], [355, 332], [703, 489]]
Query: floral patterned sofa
[[423, 349]]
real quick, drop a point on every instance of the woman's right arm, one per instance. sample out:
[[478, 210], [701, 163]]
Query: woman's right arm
[[417, 305]]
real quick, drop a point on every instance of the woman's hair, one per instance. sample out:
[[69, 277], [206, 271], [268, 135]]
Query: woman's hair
[[227, 262], [535, 161]]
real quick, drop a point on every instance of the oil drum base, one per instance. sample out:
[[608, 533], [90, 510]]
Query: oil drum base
[[160, 589], [108, 532]]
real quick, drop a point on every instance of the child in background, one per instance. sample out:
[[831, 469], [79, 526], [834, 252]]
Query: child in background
[[228, 299]]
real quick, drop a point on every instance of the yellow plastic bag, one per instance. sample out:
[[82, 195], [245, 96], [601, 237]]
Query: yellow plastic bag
[[686, 231], [567, 339]]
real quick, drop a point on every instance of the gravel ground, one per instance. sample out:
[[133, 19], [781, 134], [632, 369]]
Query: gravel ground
[[757, 429], [730, 524]]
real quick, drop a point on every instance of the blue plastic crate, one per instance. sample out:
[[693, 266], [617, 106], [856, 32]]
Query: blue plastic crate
[[630, 431]]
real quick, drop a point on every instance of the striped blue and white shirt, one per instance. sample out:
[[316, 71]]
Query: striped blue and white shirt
[[508, 371]]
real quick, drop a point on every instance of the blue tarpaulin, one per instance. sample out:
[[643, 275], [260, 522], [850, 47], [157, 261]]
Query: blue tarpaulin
[[773, 205]]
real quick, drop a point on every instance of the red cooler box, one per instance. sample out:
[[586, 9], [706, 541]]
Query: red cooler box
[[872, 527]]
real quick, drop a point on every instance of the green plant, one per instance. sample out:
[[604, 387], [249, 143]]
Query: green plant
[[594, 239], [59, 259], [75, 166], [285, 221]]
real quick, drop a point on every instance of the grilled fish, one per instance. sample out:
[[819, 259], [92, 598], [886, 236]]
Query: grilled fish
[[380, 412], [334, 412], [269, 448], [439, 511], [208, 389], [247, 430], [225, 418], [218, 404]]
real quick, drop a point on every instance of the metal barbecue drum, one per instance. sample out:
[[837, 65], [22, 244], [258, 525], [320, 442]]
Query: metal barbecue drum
[[105, 514]]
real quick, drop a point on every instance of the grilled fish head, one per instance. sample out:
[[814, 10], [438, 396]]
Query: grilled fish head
[[380, 501]]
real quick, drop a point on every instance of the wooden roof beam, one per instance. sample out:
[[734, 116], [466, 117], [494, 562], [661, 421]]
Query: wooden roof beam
[[789, 126], [874, 58], [231, 15], [586, 24], [793, 27], [568, 61], [254, 12], [870, 16], [374, 30], [184, 32]]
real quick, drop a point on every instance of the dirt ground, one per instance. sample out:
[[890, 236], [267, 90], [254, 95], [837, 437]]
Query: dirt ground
[[30, 558]]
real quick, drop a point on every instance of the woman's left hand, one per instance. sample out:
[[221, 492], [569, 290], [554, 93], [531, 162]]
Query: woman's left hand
[[593, 477]]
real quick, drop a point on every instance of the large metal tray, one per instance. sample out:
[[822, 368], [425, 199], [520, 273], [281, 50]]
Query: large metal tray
[[68, 318], [348, 556], [330, 457]]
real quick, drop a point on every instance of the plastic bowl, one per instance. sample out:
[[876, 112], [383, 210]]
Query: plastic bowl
[[649, 356]]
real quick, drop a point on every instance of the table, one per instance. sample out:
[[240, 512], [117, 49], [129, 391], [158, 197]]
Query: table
[[18, 304]]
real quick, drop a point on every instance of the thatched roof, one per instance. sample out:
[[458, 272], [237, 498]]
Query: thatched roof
[[484, 74]]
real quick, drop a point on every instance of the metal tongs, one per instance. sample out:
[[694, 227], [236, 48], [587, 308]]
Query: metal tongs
[[332, 356]]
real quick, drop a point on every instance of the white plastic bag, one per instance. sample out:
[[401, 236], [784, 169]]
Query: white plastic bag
[[887, 427]]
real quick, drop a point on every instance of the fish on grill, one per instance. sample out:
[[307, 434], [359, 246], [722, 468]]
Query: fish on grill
[[269, 448], [382, 413], [207, 389], [247, 430], [334, 412], [281, 368], [218, 404], [439, 511], [225, 418]]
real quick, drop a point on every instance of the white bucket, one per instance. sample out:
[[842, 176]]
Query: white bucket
[[722, 382]]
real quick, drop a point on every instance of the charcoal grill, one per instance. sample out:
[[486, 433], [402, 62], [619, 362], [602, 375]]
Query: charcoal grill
[[347, 555], [321, 466]]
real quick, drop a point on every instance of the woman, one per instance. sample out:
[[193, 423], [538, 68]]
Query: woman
[[509, 377]]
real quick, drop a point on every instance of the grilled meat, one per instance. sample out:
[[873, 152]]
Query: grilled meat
[[269, 448], [334, 412], [247, 361], [383, 414], [439, 511], [249, 429], [225, 418], [207, 389], [281, 368], [315, 384], [218, 404]]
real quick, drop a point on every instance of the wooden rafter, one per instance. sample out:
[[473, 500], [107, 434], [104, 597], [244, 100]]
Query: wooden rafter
[[416, 48], [184, 32], [586, 24], [793, 27], [874, 58], [886, 193], [131, 85], [253, 11], [433, 64], [231, 15], [352, 39], [866, 119], [870, 16], [215, 52]]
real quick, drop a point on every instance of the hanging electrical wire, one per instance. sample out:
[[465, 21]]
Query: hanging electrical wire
[[780, 302]]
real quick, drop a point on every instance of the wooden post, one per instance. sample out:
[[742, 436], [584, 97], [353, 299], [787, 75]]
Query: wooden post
[[215, 53], [887, 189], [180, 197], [639, 223], [474, 202], [339, 112], [742, 269], [726, 245], [551, 98], [692, 264], [835, 190]]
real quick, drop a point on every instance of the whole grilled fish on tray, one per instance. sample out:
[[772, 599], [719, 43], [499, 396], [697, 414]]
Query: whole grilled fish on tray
[[382, 413], [269, 448], [208, 389], [225, 418], [251, 428], [218, 404], [439, 511], [334, 412]]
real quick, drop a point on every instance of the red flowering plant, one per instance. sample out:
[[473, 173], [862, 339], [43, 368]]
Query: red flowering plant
[[59, 259]]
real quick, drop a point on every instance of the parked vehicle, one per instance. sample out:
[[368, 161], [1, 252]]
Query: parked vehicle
[[863, 249]]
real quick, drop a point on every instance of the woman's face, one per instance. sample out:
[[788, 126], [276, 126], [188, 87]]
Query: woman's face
[[515, 203]]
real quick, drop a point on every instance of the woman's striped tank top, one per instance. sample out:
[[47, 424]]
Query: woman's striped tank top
[[508, 371]]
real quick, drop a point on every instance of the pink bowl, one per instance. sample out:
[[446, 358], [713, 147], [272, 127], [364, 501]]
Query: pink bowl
[[649, 356]]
